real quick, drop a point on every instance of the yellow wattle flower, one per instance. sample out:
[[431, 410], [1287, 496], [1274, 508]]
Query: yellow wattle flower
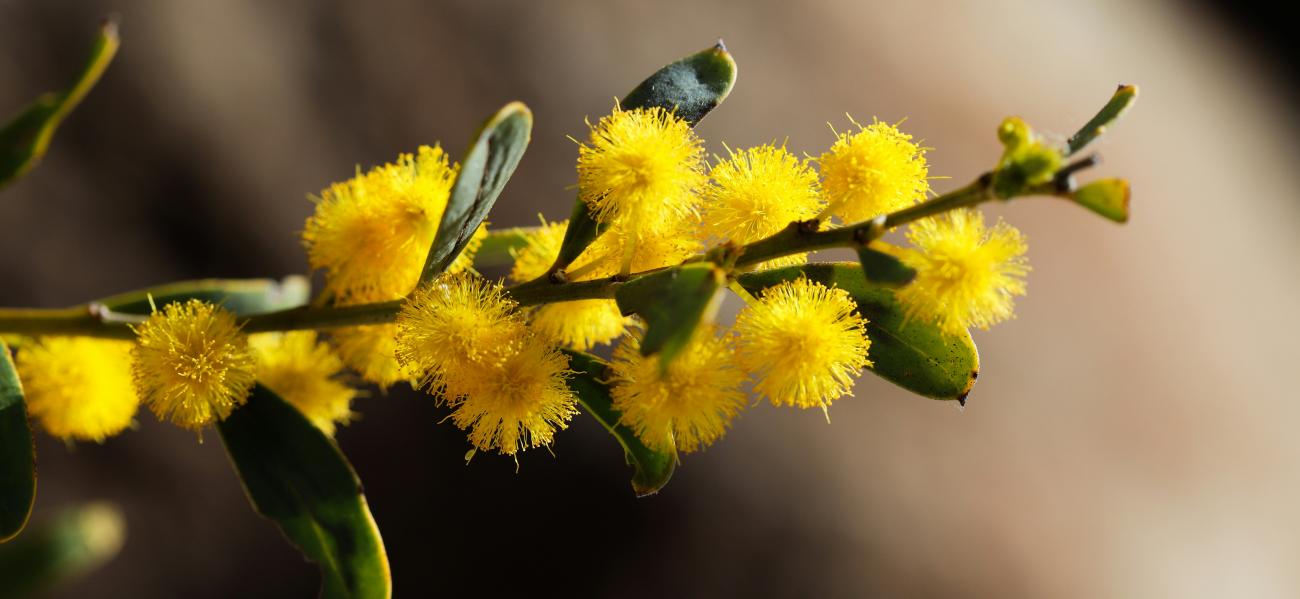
[[371, 234], [967, 275], [517, 403], [578, 324], [450, 330], [371, 351], [873, 172], [640, 167], [672, 241], [804, 342], [687, 407], [191, 364], [757, 192], [304, 372], [78, 387]]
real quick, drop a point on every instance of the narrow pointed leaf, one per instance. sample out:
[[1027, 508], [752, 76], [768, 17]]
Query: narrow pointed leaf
[[692, 87], [26, 138], [883, 269], [296, 476], [17, 454], [243, 297], [1123, 98], [1107, 197], [59, 549], [489, 162], [911, 354], [673, 303], [652, 469]]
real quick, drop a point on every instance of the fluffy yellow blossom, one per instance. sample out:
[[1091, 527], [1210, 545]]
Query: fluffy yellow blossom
[[804, 342], [757, 192], [967, 274], [873, 172], [305, 372], [672, 241], [78, 387], [371, 234], [519, 402], [690, 405], [191, 364], [640, 167], [577, 324], [451, 330], [371, 351]]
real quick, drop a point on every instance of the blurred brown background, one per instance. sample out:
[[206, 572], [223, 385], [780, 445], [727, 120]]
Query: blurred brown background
[[1131, 434]]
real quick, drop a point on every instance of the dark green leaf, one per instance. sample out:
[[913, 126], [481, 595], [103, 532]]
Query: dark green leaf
[[499, 245], [244, 297], [884, 269], [488, 164], [1107, 197], [673, 303], [914, 355], [17, 454], [1123, 98], [58, 549], [692, 87], [296, 476], [652, 469], [26, 138]]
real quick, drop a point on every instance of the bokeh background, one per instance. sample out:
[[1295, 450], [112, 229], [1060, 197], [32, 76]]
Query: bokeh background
[[1132, 432]]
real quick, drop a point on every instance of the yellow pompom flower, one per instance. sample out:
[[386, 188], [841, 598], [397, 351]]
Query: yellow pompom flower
[[875, 171], [578, 324], [371, 234], [304, 372], [452, 329], [518, 403], [371, 351], [191, 364], [687, 407], [804, 342], [967, 274], [757, 192], [78, 387], [673, 241], [641, 167]]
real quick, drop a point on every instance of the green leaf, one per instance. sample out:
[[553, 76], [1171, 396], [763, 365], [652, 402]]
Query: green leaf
[[61, 548], [499, 246], [488, 164], [883, 269], [244, 297], [17, 454], [1123, 98], [692, 87], [26, 138], [673, 303], [297, 476], [1107, 197], [652, 469], [912, 354]]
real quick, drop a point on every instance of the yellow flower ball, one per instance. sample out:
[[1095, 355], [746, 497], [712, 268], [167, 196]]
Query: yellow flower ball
[[640, 167], [78, 387], [191, 364], [804, 342], [688, 406], [449, 330], [967, 274], [875, 171], [517, 403], [756, 193], [371, 351], [371, 234], [306, 373]]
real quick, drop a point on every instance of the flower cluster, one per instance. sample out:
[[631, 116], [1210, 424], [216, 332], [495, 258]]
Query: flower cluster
[[500, 368]]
